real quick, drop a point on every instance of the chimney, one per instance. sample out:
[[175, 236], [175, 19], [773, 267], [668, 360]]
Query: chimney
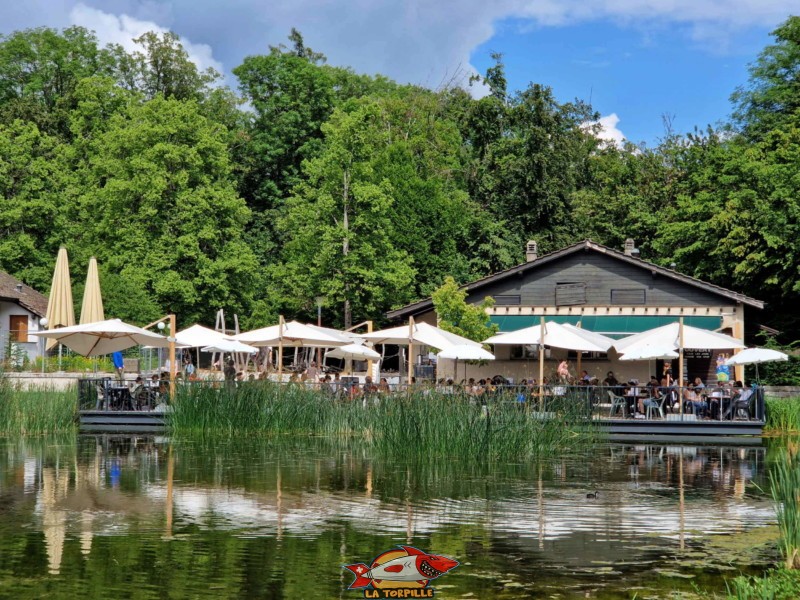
[[531, 251], [631, 249], [19, 288]]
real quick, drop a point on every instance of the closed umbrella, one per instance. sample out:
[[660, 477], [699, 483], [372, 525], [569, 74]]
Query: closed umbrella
[[104, 337], [60, 310], [465, 352], [92, 305]]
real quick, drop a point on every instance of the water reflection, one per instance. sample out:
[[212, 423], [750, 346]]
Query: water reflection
[[237, 514]]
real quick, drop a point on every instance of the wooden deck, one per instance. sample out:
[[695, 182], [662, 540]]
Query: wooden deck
[[122, 421], [661, 427]]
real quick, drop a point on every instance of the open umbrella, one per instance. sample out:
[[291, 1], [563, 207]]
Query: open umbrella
[[230, 346], [104, 337], [465, 352], [60, 310], [649, 352], [353, 351], [756, 356], [92, 305], [296, 335]]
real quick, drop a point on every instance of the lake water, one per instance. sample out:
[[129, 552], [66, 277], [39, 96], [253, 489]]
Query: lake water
[[149, 517]]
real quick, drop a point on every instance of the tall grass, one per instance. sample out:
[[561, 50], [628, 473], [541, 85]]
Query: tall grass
[[783, 415], [36, 411], [425, 426], [784, 479]]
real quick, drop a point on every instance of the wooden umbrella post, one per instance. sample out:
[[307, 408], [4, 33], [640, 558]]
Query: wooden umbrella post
[[369, 361], [173, 368], [580, 356], [280, 349], [541, 363], [410, 350], [680, 364]]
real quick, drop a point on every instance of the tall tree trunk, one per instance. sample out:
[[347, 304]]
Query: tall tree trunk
[[348, 313]]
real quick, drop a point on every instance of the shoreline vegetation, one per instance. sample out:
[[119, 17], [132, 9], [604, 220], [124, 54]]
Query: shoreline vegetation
[[426, 423]]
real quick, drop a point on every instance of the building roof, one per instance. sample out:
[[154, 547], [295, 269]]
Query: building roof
[[14, 290], [585, 245]]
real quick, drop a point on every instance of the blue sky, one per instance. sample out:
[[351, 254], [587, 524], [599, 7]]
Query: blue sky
[[636, 59], [639, 75]]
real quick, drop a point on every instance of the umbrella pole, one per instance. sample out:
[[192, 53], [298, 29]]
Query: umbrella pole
[[410, 349], [280, 349], [173, 368], [541, 364], [680, 366]]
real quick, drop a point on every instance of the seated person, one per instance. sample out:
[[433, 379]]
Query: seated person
[[693, 402], [610, 380]]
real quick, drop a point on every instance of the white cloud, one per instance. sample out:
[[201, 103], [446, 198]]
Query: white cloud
[[608, 130], [123, 29]]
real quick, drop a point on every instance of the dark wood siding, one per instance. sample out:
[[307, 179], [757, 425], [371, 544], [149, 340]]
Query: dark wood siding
[[601, 274]]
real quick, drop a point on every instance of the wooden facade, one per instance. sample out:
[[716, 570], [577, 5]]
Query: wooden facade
[[607, 291]]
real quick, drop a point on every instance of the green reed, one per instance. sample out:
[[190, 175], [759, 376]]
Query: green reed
[[784, 479], [783, 415], [37, 411], [425, 425]]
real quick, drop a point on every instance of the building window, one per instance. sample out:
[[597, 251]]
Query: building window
[[628, 297], [507, 300], [18, 326], [570, 293]]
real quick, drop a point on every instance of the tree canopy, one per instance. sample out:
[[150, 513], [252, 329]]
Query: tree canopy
[[313, 180]]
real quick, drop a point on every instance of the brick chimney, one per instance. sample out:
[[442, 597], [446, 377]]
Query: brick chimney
[[531, 251]]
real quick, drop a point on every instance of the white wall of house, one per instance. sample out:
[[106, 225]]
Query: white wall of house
[[32, 346]]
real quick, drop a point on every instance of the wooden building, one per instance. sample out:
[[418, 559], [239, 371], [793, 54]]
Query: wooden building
[[612, 292]]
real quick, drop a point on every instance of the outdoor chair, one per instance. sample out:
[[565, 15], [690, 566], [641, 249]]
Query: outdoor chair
[[617, 402], [659, 407], [740, 406]]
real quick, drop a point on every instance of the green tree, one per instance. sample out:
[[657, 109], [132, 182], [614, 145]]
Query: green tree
[[157, 205], [457, 316], [338, 224], [772, 94], [33, 175]]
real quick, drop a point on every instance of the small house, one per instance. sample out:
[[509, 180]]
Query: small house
[[21, 310]]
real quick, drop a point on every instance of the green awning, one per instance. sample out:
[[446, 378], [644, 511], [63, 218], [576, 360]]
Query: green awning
[[612, 326]]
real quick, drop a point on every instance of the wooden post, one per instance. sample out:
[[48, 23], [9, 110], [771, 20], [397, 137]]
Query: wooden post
[[173, 368], [680, 365], [369, 361], [580, 356], [738, 333], [541, 363], [410, 349], [280, 349]]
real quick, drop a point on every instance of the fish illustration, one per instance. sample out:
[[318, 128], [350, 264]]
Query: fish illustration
[[415, 566]]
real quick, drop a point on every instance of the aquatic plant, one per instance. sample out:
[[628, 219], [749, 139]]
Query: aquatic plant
[[428, 423], [37, 411], [784, 479], [783, 415], [777, 584]]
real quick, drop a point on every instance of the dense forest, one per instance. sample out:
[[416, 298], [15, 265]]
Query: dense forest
[[313, 180]]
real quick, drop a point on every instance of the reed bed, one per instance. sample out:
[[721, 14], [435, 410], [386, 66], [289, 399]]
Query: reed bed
[[783, 415], [424, 426], [36, 411], [784, 479]]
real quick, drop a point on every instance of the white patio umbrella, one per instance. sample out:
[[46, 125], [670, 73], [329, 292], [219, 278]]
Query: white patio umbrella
[[596, 338], [353, 351], [231, 346], [421, 334], [756, 356], [417, 334], [552, 335], [649, 352], [104, 337], [297, 335], [465, 352], [198, 336], [668, 336]]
